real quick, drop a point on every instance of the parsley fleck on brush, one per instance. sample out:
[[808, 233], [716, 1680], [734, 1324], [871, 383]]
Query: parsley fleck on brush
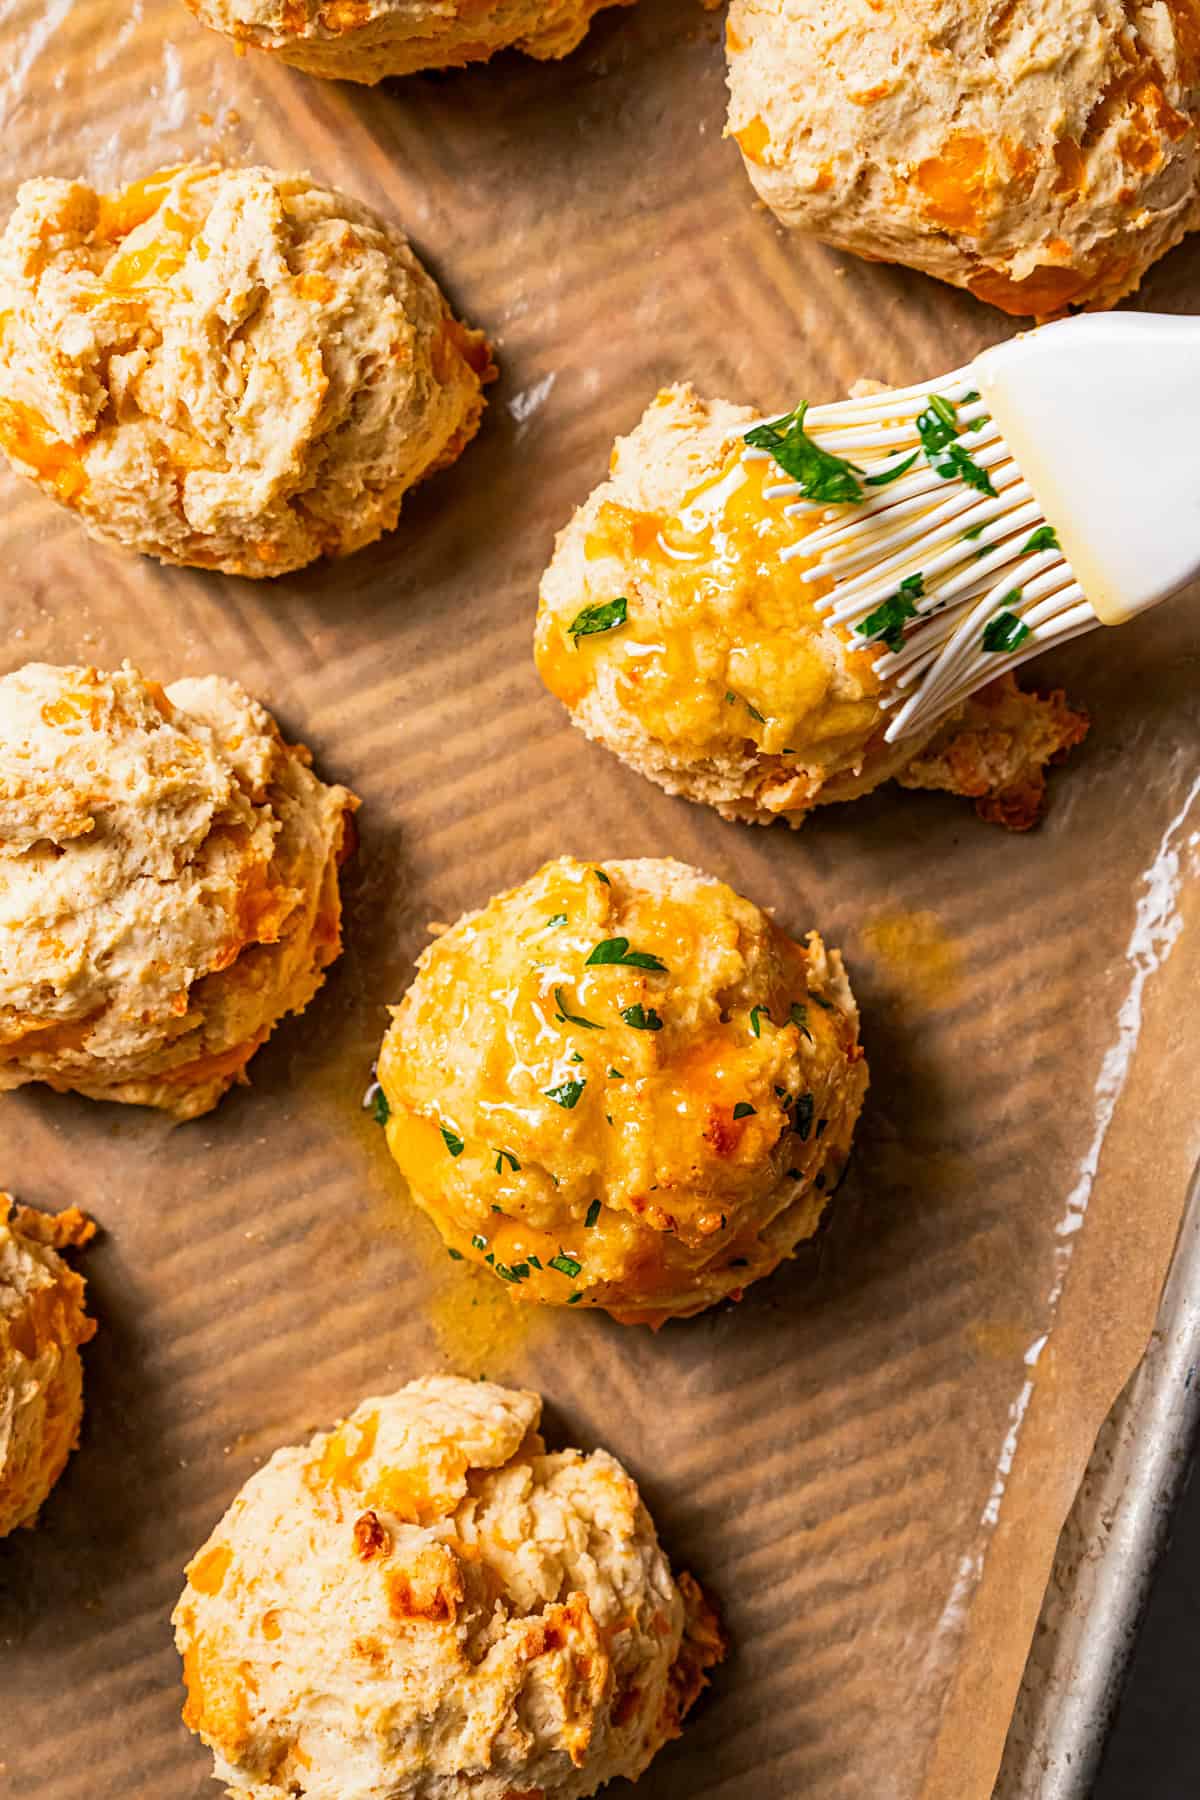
[[919, 565]]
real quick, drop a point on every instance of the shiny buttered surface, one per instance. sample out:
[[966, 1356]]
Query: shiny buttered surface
[[676, 636], [366, 40], [168, 883], [42, 1325], [621, 1085], [1041, 154], [230, 368], [423, 1603]]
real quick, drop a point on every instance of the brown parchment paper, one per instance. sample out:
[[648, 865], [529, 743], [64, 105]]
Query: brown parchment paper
[[869, 1459]]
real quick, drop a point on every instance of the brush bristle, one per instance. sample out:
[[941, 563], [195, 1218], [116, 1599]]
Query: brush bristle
[[951, 567]]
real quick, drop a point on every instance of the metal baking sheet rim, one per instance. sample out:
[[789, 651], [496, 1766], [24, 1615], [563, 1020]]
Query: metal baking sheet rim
[[1108, 1551]]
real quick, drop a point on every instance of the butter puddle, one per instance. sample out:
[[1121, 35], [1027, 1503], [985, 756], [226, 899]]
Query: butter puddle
[[915, 949]]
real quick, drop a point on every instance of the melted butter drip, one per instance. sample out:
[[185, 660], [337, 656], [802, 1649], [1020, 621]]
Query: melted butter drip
[[738, 634], [915, 949]]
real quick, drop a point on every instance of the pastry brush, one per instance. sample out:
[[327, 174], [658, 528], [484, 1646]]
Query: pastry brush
[[971, 522]]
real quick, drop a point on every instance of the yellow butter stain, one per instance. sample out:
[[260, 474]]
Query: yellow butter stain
[[914, 948], [476, 1328], [1000, 1340]]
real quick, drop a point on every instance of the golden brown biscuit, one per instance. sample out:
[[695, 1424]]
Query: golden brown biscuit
[[366, 40], [229, 368], [42, 1325], [1042, 153], [423, 1603], [622, 1085], [717, 677], [168, 884]]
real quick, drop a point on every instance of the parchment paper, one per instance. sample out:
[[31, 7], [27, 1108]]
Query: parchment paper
[[869, 1459]]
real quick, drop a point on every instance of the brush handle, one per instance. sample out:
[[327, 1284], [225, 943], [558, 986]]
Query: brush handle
[[1102, 414]]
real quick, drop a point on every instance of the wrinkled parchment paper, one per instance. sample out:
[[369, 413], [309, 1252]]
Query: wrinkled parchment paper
[[868, 1460]]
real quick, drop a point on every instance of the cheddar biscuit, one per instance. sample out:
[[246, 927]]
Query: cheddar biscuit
[[676, 634], [168, 883], [229, 368], [42, 1325], [1041, 155], [366, 40], [424, 1603], [622, 1085]]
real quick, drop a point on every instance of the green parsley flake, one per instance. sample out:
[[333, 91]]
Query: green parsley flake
[[452, 1141], [594, 619], [805, 1107], [565, 1017], [758, 1013], [478, 1242], [573, 1299], [616, 950], [820, 475], [938, 429], [799, 1017], [743, 1110], [454, 1255], [886, 624], [566, 1094], [642, 1018], [557, 919], [506, 1156], [615, 1075], [601, 876], [381, 1112], [1004, 632], [533, 1261], [975, 531], [566, 1265], [593, 1213], [1044, 538]]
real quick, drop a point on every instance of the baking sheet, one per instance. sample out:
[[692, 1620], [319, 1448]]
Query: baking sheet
[[870, 1458]]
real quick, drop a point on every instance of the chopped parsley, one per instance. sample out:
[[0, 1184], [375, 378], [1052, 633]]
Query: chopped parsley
[[820, 475], [976, 531], [565, 1017], [938, 429], [886, 624], [566, 1265], [799, 1017], [744, 1110], [533, 1261], [454, 1255], [823, 1003], [642, 1018], [506, 1156], [478, 1242], [758, 1013], [1004, 631], [805, 1107], [566, 1094], [595, 619], [573, 1299], [601, 876], [593, 1213], [732, 699], [1044, 538], [616, 950], [556, 919], [381, 1112], [452, 1141], [616, 1075], [821, 1124], [892, 474]]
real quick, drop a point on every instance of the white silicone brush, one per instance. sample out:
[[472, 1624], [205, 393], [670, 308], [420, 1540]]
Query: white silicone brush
[[973, 521]]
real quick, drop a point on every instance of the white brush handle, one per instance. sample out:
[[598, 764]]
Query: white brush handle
[[1102, 414]]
